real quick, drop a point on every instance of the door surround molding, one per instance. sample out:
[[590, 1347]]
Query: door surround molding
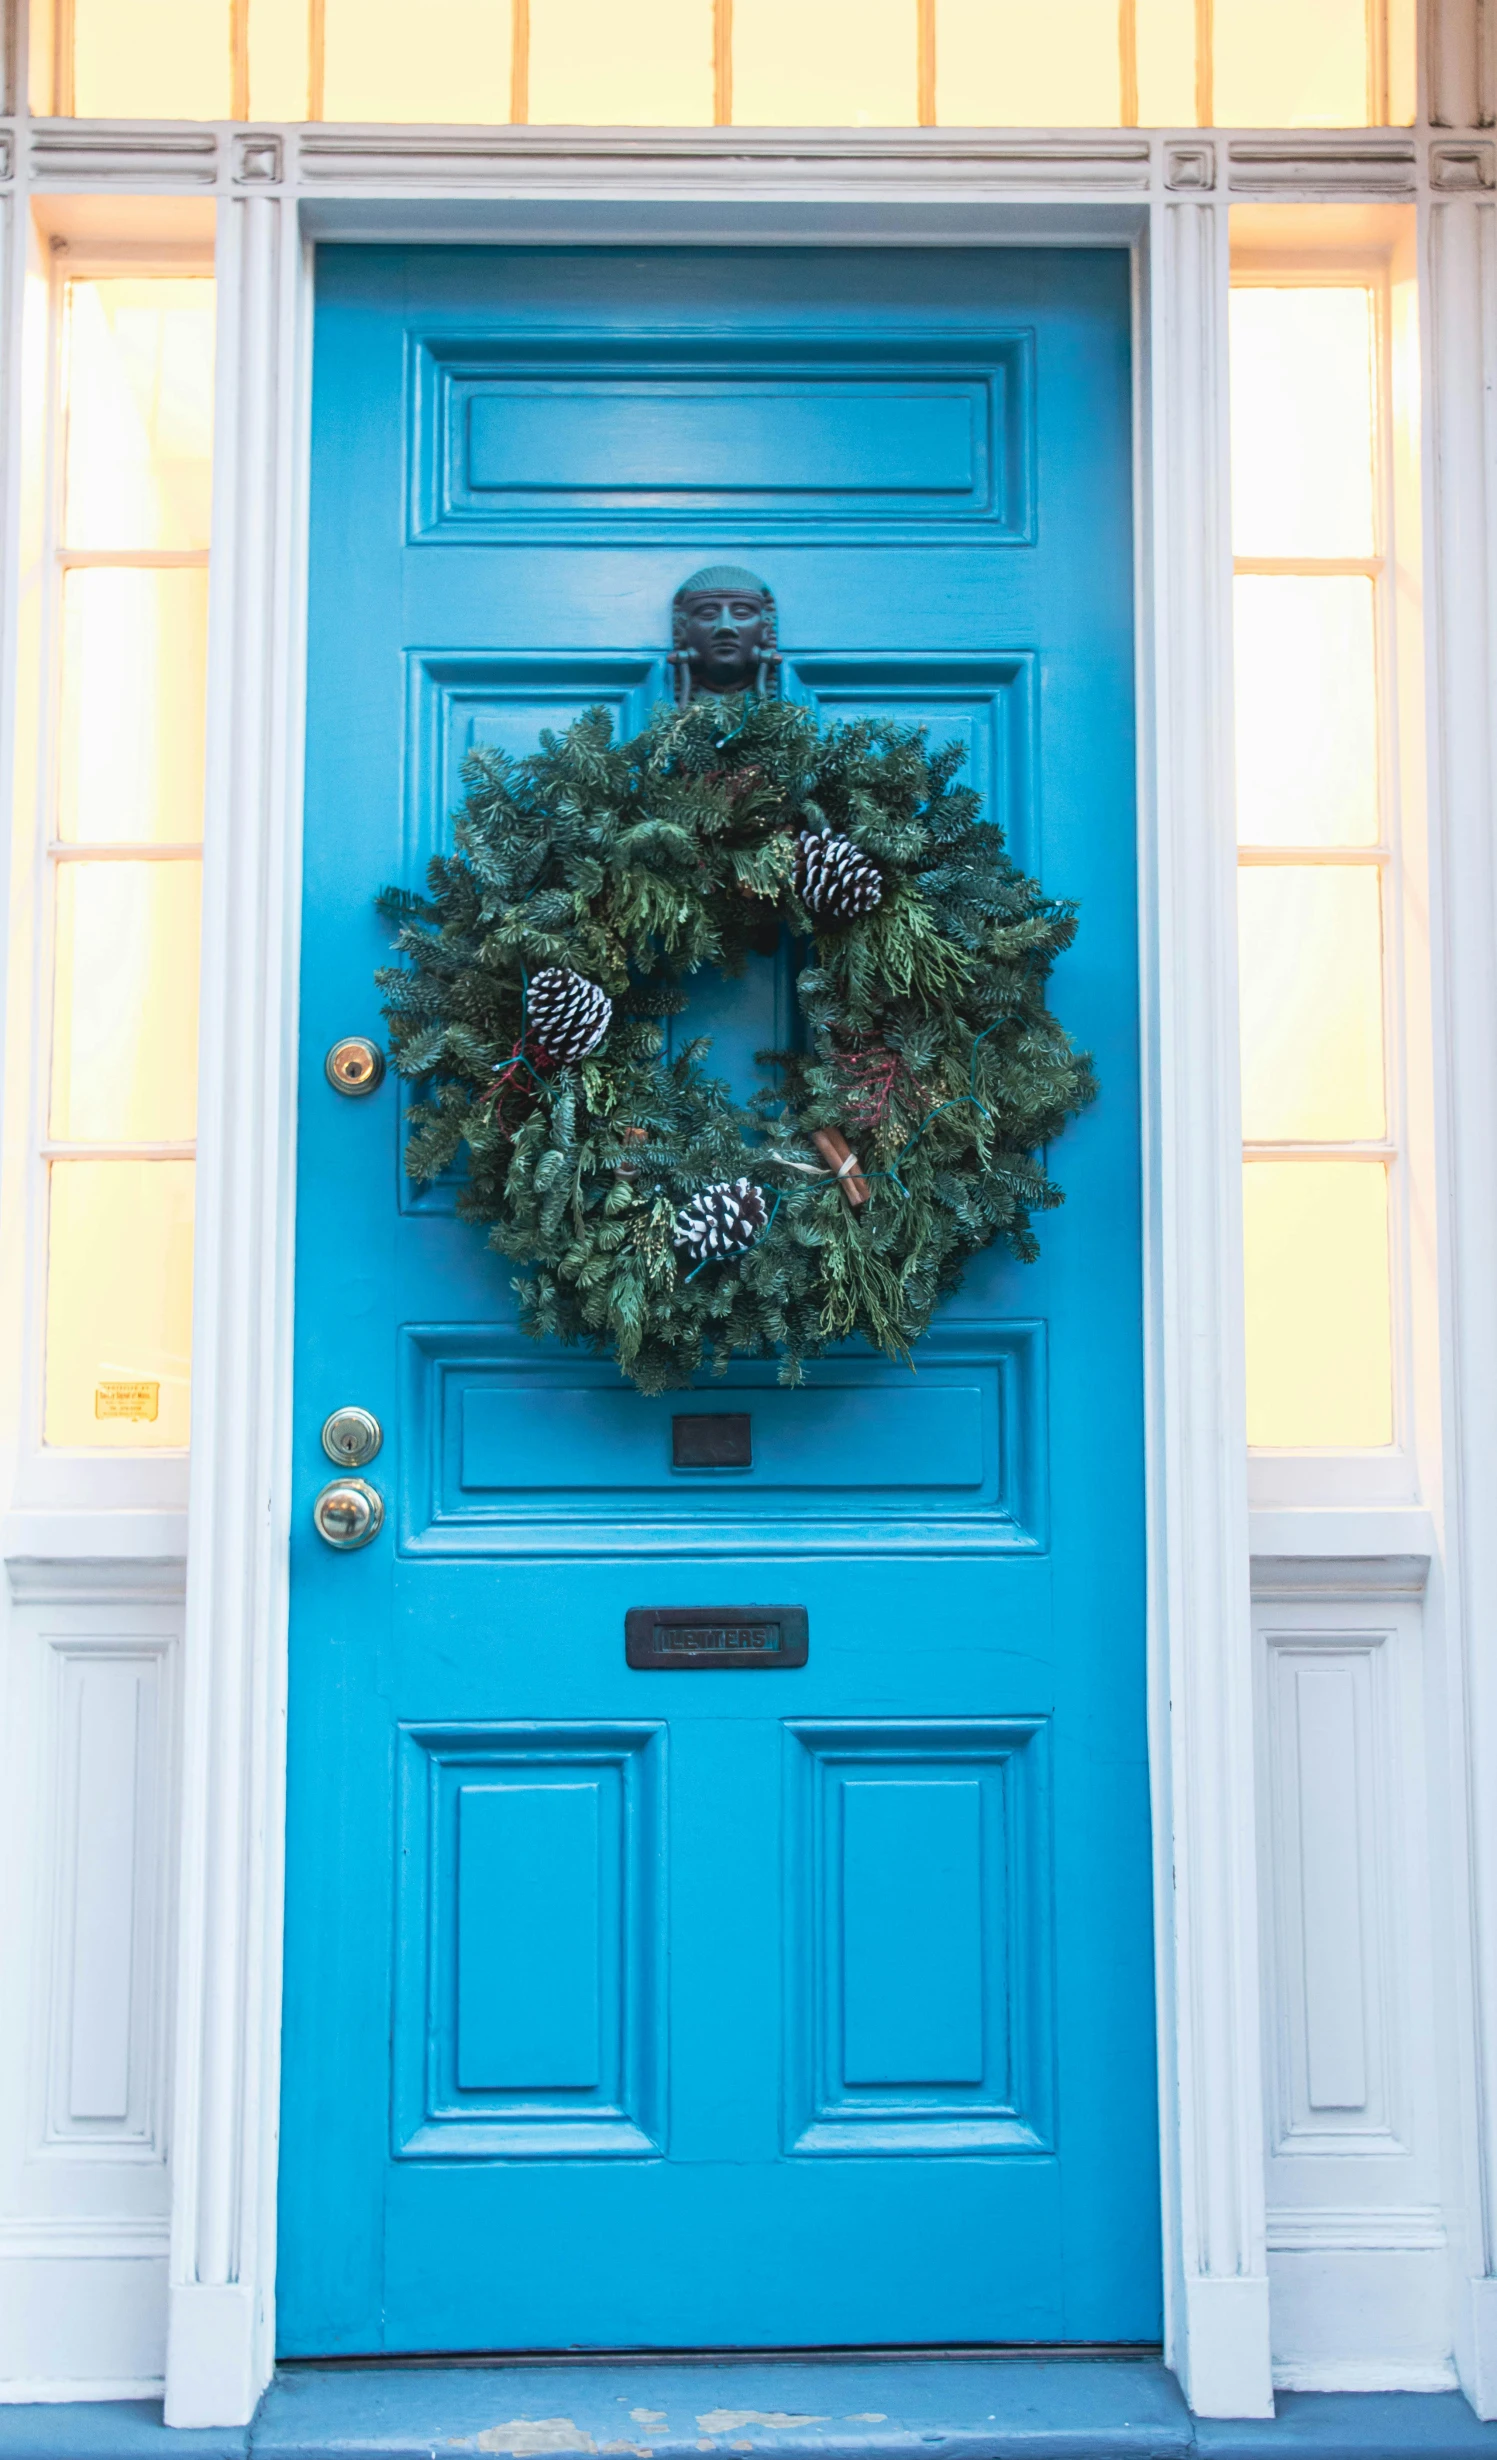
[[1164, 197], [221, 2332]]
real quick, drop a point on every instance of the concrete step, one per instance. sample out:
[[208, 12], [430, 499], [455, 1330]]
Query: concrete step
[[956, 2407]]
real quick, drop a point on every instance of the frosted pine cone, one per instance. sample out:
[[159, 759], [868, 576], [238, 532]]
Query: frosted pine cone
[[835, 879], [720, 1221], [568, 1014]]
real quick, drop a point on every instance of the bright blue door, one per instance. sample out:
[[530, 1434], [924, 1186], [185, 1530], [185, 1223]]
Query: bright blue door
[[718, 2007]]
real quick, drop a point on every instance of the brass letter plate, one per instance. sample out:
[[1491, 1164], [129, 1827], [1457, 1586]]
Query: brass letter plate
[[675, 1638]]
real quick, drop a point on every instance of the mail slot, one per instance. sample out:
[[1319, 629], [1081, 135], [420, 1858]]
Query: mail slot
[[668, 1638]]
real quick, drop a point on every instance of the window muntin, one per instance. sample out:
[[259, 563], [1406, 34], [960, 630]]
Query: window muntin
[[125, 829]]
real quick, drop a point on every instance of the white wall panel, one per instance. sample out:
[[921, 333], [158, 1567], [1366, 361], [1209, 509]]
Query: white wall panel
[[1357, 2256], [103, 2079], [87, 1776]]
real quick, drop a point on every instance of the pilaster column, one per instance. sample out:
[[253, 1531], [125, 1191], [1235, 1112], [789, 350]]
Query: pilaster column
[[1210, 2043], [228, 2001], [1461, 463]]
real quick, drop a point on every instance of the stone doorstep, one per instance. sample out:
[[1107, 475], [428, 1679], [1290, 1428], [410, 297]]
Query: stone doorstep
[[797, 2408]]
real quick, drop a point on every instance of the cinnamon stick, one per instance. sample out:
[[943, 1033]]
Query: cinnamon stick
[[838, 1155]]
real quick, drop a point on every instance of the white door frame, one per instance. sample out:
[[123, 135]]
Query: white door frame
[[857, 190], [1165, 197]]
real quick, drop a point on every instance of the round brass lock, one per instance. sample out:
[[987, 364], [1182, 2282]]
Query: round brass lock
[[351, 1436], [348, 1513], [354, 1065]]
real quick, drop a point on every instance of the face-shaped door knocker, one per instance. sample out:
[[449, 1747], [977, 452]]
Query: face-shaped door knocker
[[723, 634]]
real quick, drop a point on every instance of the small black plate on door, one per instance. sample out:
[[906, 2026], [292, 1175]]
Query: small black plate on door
[[712, 1439], [679, 1637]]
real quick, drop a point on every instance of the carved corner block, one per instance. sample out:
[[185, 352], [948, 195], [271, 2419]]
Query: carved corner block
[[1190, 167], [1462, 169], [257, 161]]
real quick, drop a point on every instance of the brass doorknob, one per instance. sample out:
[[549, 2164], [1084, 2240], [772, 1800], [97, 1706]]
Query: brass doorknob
[[354, 1065], [348, 1513]]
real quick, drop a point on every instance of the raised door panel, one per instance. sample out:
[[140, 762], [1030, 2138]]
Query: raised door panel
[[918, 1949], [532, 439], [529, 1940]]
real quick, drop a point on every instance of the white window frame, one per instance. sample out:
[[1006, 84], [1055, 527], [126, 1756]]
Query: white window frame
[[1306, 255], [50, 1476]]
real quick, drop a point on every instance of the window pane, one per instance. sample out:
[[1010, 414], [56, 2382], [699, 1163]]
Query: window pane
[[384, 63], [589, 63], [133, 700], [851, 64], [279, 59], [1165, 34], [119, 1304], [1319, 1348], [125, 1003], [1302, 411], [1312, 1004], [151, 59], [1403, 62], [1279, 64], [140, 413], [1008, 64], [1307, 764]]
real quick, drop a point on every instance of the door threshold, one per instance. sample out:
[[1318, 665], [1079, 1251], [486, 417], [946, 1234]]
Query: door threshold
[[871, 2353]]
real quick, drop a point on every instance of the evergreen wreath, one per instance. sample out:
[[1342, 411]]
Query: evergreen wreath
[[658, 1217]]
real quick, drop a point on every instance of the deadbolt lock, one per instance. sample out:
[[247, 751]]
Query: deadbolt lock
[[351, 1436], [348, 1513], [354, 1065]]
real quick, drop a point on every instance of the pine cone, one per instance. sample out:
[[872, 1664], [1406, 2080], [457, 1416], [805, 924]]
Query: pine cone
[[835, 879], [721, 1220], [568, 1015]]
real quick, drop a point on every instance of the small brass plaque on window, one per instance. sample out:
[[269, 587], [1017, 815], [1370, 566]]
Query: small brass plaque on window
[[122, 1400]]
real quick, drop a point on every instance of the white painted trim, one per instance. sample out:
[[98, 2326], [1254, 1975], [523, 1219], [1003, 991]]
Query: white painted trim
[[221, 2330], [1217, 2319], [60, 2239], [1341, 1576], [1460, 317], [1389, 2226], [1332, 1535], [1366, 2375], [16, 2391]]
